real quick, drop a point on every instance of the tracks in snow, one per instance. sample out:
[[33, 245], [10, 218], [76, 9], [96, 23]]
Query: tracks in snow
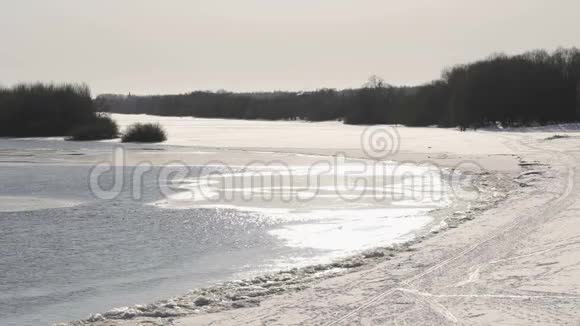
[[499, 239]]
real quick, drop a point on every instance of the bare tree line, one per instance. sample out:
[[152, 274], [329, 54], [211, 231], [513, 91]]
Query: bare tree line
[[534, 87]]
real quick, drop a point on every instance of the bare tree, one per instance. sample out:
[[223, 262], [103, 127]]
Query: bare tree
[[375, 81]]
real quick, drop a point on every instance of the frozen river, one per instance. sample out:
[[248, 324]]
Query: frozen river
[[193, 217]]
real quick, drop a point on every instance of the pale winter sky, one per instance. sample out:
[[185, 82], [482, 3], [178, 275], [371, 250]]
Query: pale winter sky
[[174, 46]]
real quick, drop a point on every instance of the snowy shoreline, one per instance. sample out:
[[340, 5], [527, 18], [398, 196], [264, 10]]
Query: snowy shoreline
[[250, 292]]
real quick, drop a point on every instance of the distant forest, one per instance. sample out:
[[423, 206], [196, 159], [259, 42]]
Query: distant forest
[[534, 87]]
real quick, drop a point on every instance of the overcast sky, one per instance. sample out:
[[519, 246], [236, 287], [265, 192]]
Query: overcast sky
[[171, 46]]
